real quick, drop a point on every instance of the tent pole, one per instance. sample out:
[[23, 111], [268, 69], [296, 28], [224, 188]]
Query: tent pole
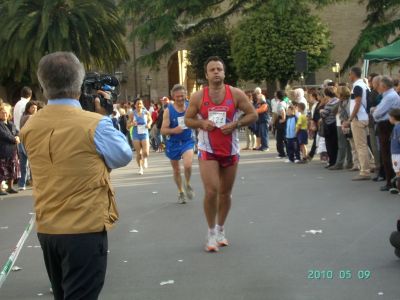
[[365, 68]]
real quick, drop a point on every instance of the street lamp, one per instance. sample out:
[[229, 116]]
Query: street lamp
[[336, 70], [119, 75], [148, 82]]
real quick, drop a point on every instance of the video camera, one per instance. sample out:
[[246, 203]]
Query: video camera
[[94, 82]]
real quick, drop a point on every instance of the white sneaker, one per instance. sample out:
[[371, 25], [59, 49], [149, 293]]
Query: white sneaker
[[188, 190], [22, 188], [145, 163], [211, 245], [297, 161], [221, 239], [140, 171], [181, 198], [287, 161]]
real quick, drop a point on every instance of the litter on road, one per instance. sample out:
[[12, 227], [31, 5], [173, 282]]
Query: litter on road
[[313, 231], [167, 282]]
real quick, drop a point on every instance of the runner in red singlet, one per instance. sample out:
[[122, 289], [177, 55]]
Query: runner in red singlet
[[214, 111]]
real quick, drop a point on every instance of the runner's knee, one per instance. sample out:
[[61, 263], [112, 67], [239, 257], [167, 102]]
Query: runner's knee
[[211, 193]]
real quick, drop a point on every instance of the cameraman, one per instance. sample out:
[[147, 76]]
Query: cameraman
[[72, 152]]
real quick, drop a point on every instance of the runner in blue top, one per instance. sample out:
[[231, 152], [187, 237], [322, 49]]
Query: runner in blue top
[[180, 142], [139, 124]]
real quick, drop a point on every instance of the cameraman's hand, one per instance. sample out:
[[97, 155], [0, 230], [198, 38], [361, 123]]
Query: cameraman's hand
[[99, 109], [104, 94]]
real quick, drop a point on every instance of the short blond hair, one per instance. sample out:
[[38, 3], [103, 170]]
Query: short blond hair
[[343, 92], [7, 108]]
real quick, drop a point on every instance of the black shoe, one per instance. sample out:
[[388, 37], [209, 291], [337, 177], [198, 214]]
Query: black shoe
[[394, 191], [2, 193], [378, 179], [385, 188], [12, 191]]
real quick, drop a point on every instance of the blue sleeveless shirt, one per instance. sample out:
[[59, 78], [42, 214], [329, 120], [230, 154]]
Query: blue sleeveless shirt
[[141, 120], [175, 119]]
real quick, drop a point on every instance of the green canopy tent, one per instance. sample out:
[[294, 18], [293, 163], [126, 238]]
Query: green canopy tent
[[389, 53]]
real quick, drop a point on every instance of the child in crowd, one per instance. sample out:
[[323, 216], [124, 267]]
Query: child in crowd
[[394, 117], [292, 146], [301, 129]]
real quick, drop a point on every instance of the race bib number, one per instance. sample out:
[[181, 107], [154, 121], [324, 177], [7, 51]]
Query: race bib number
[[181, 122], [141, 129], [218, 117]]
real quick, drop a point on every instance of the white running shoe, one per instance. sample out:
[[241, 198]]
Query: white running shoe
[[287, 161], [297, 161], [140, 171], [188, 190], [211, 245], [145, 163], [181, 198], [221, 239]]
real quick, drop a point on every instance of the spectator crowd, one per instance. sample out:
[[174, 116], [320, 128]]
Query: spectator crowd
[[350, 126]]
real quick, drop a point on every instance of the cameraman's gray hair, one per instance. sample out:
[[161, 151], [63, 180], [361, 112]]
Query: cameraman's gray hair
[[177, 87], [387, 81], [61, 75]]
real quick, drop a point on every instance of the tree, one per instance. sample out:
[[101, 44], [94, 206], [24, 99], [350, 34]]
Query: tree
[[211, 42], [382, 26], [170, 21], [264, 43], [92, 29]]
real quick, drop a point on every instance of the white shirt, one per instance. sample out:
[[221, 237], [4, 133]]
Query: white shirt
[[304, 101], [274, 105], [19, 109], [313, 107], [362, 112]]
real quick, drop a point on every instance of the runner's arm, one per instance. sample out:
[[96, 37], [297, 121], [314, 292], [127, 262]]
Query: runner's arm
[[150, 120], [249, 113], [193, 109], [165, 130], [243, 104], [131, 122]]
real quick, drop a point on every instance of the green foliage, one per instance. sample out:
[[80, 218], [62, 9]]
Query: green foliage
[[264, 43], [170, 21], [92, 29], [215, 41], [382, 27]]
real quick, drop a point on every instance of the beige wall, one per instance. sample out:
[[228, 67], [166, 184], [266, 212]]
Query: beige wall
[[345, 21]]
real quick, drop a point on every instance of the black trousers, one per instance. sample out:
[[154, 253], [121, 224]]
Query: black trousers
[[280, 139], [331, 141], [293, 149], [385, 131], [76, 264], [313, 147]]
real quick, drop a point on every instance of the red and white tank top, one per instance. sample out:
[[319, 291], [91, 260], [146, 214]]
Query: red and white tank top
[[215, 141]]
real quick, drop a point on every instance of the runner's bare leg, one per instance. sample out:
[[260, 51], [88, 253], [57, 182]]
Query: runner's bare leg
[[227, 179], [187, 164], [177, 174], [138, 150], [209, 171]]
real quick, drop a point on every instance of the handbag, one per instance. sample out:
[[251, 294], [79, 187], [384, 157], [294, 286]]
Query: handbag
[[321, 128]]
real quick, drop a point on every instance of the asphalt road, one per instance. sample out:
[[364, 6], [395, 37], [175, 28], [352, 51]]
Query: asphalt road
[[271, 256]]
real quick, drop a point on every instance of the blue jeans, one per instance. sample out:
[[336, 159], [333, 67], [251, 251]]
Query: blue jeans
[[23, 161], [263, 133]]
